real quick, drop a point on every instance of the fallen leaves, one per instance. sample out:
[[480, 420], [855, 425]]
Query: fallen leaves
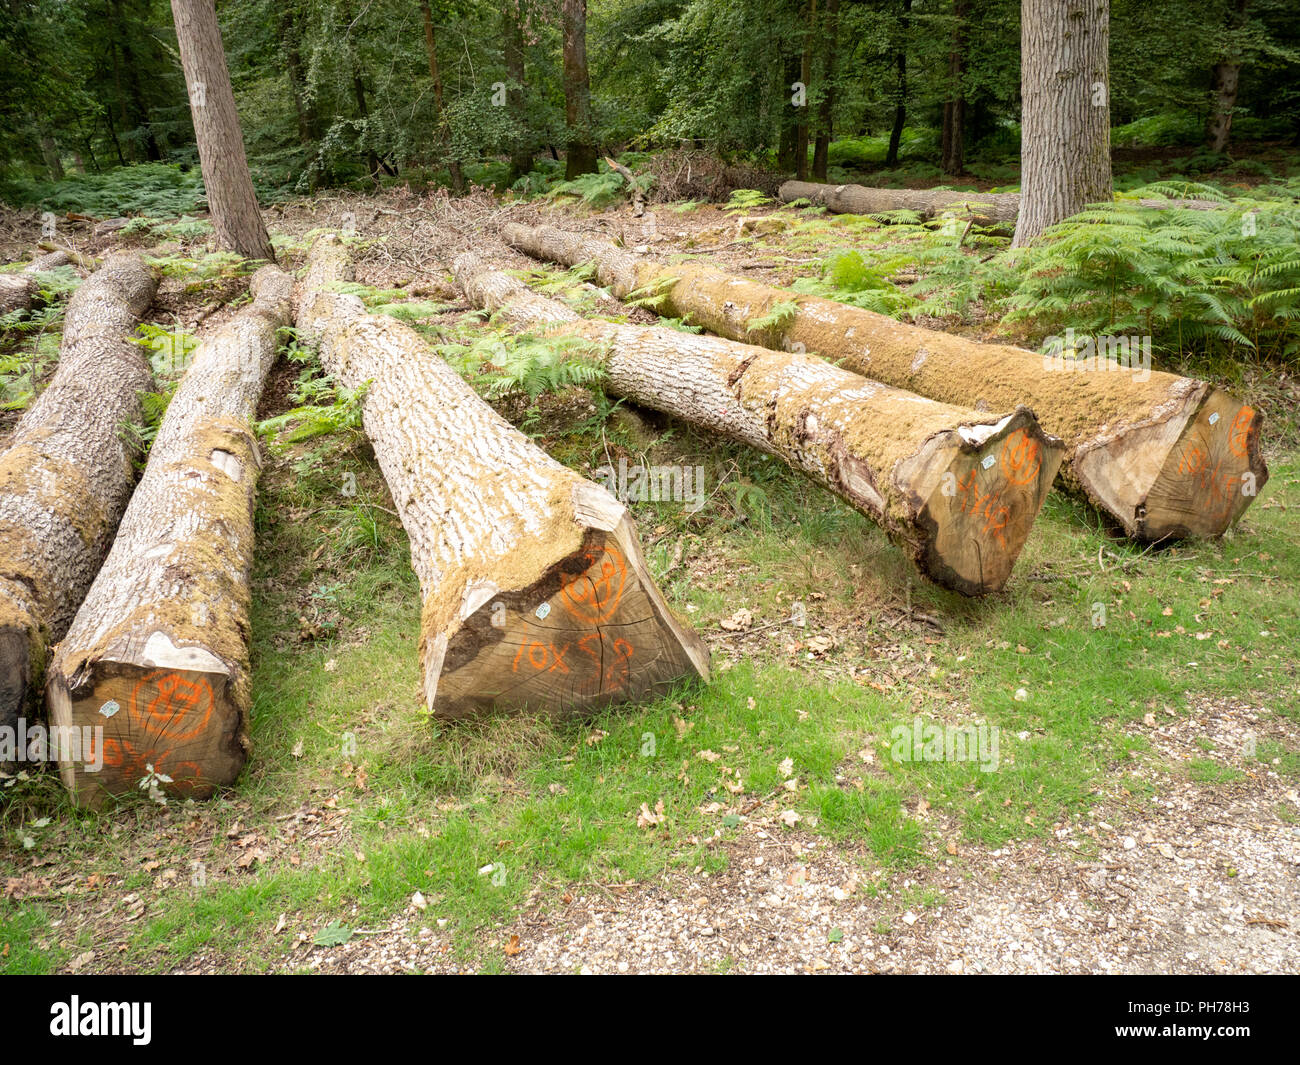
[[647, 818]]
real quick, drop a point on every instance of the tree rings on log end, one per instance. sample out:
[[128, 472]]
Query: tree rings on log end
[[174, 727], [593, 631], [988, 486]]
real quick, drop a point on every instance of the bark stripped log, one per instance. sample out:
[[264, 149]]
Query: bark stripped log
[[997, 210], [158, 653], [956, 489], [19, 289], [536, 595], [67, 474], [1165, 456]]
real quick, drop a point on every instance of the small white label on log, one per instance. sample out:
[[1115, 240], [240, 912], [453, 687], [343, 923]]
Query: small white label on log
[[1214, 417], [988, 461], [543, 610], [109, 708]]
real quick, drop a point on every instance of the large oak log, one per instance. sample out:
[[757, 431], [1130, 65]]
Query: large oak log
[[158, 653], [997, 210], [957, 490], [1165, 456], [67, 474], [535, 592], [17, 290]]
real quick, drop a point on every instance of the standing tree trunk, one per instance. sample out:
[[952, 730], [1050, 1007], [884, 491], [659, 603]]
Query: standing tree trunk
[[826, 117], [1223, 88], [900, 107], [535, 591], [231, 198], [581, 157], [158, 653], [805, 76], [435, 75], [956, 489], [1065, 126], [67, 475], [512, 35], [1166, 456], [953, 155], [786, 154]]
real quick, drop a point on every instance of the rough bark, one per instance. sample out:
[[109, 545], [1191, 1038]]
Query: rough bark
[[18, 290], [231, 198], [956, 489], [953, 137], [826, 113], [157, 655], [993, 209], [1065, 125], [512, 35], [535, 592], [67, 474], [1165, 456], [1224, 79], [580, 157]]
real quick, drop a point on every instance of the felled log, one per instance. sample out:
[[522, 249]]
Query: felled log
[[994, 209], [1165, 456], [17, 290], [67, 474], [158, 653], [535, 592], [956, 489]]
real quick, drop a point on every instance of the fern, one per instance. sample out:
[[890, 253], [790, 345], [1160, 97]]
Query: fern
[[526, 365], [742, 200]]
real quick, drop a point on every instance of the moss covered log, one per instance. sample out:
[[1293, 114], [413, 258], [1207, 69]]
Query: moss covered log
[[1165, 456], [535, 592], [67, 474], [158, 654], [956, 489]]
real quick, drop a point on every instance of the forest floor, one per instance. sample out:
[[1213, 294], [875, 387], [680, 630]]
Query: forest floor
[[1142, 813]]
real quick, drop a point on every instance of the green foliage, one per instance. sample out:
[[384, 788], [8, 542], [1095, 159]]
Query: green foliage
[[154, 189], [743, 200], [322, 406], [526, 365], [169, 349], [777, 317]]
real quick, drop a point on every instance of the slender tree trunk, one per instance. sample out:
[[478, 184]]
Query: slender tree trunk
[[825, 125], [1223, 88], [135, 91], [512, 34], [886, 452], [787, 153], [442, 133], [67, 474], [50, 152], [954, 109], [805, 76], [535, 592], [581, 155], [231, 197], [900, 108], [1065, 128]]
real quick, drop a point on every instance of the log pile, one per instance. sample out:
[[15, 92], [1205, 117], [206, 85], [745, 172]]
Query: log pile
[[158, 653], [535, 592], [1165, 456], [958, 490]]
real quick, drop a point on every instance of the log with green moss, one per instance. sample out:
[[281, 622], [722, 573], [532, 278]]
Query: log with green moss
[[956, 489], [1165, 456], [67, 474], [535, 592], [158, 653]]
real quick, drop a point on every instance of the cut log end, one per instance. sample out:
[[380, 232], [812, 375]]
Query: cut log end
[[591, 632], [15, 673], [1209, 477], [987, 487], [177, 727]]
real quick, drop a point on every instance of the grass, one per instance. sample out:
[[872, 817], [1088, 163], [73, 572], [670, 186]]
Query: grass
[[355, 800]]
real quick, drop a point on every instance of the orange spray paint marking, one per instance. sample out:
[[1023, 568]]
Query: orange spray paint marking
[[1020, 458], [592, 598], [1239, 434], [179, 710]]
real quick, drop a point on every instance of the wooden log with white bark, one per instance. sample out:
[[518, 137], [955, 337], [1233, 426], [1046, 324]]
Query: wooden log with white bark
[[17, 290], [1165, 456], [158, 654], [956, 489], [67, 474], [996, 210], [535, 592]]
